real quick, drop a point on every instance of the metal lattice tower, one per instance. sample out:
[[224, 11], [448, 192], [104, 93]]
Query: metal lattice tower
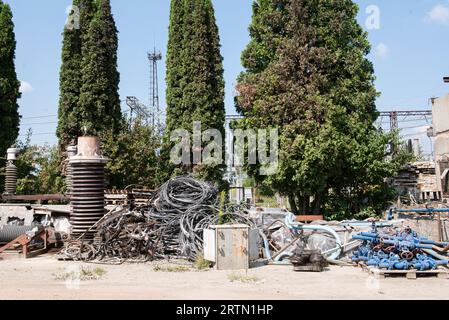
[[153, 58], [396, 117], [140, 109]]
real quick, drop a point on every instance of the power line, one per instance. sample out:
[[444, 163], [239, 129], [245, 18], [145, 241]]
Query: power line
[[39, 134], [38, 123], [40, 117]]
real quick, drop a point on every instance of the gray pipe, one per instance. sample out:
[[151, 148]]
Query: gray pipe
[[10, 233]]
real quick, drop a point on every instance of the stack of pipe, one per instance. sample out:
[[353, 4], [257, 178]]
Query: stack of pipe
[[402, 250]]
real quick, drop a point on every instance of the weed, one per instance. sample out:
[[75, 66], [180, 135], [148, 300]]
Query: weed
[[83, 274], [243, 278], [175, 269], [201, 263]]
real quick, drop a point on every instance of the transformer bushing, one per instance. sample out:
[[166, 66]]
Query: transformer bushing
[[87, 186], [11, 172], [71, 152]]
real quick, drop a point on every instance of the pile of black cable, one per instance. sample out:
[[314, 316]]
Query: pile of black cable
[[173, 200]]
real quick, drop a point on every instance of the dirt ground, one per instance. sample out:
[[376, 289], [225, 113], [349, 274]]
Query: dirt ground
[[40, 278]]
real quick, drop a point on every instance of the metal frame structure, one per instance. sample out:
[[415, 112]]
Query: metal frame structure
[[153, 58], [139, 108], [400, 116]]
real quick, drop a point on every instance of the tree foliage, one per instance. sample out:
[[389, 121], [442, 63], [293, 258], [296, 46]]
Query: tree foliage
[[195, 85], [37, 169], [9, 85], [99, 102], [70, 82], [89, 99], [307, 74], [134, 153]]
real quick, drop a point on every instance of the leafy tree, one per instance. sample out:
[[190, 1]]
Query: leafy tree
[[37, 169], [134, 153], [174, 72], [89, 80], [98, 107], [307, 73], [195, 85], [69, 127], [9, 85]]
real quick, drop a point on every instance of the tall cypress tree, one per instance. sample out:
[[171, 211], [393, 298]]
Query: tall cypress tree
[[98, 109], [174, 72], [69, 127], [195, 84], [9, 85], [173, 78]]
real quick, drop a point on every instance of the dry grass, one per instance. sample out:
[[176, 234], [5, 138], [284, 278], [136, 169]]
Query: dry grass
[[244, 278], [83, 274], [201, 263], [175, 269]]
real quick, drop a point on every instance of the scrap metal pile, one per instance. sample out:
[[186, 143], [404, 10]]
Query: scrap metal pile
[[399, 250], [171, 224]]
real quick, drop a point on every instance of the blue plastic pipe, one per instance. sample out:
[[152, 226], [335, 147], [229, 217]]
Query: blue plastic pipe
[[423, 210], [290, 221]]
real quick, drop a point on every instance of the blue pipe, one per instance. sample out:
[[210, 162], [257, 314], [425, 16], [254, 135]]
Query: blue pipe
[[379, 224], [266, 245], [423, 210], [439, 244], [435, 254], [290, 221]]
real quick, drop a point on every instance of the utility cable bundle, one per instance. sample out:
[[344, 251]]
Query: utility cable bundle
[[171, 224]]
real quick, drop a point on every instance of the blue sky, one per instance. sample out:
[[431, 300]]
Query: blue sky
[[410, 52]]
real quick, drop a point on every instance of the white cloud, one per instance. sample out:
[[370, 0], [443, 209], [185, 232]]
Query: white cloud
[[25, 87], [439, 14], [382, 50]]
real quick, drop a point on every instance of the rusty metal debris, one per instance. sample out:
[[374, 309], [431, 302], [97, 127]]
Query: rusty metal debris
[[171, 224], [308, 260]]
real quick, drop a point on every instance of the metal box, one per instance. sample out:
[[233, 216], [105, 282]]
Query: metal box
[[231, 247]]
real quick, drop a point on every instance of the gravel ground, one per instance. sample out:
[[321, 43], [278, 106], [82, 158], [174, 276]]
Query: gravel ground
[[48, 279]]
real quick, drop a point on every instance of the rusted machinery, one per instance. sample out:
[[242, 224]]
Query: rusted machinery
[[30, 243], [308, 260], [87, 186]]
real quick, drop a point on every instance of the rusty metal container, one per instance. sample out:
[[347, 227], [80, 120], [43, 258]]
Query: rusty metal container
[[231, 247]]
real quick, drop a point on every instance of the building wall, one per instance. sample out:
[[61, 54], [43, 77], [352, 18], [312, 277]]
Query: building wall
[[440, 114]]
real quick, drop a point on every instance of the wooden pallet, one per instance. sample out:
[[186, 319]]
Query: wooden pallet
[[441, 273]]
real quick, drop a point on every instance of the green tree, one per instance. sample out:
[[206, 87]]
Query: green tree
[[98, 107], [70, 83], [174, 75], [307, 74], [134, 153], [37, 169], [174, 72], [9, 85], [195, 84]]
